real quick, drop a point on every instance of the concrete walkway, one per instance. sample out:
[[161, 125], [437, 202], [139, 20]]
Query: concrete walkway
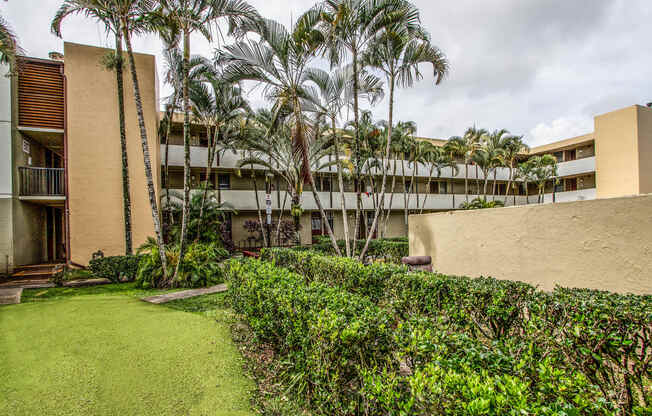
[[10, 296], [184, 294]]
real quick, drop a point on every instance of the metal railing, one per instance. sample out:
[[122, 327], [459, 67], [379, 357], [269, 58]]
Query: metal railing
[[41, 181]]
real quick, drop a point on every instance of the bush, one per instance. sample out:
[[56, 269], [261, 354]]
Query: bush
[[114, 267], [574, 338], [200, 268], [326, 335], [388, 250]]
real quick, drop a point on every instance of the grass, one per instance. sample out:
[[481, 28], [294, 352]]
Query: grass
[[99, 350]]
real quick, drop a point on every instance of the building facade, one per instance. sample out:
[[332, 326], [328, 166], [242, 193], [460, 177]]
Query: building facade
[[61, 172]]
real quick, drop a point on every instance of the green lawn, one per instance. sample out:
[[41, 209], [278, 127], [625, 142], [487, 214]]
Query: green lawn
[[101, 351]]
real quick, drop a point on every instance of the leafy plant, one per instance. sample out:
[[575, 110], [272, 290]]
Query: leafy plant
[[115, 267]]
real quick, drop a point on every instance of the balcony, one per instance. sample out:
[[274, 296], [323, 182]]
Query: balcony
[[44, 185]]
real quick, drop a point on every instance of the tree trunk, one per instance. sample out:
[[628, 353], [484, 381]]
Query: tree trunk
[[126, 195], [493, 188], [509, 181], [391, 198], [427, 192], [280, 218], [147, 161], [405, 198], [466, 180], [356, 143], [340, 182], [209, 166], [486, 182], [260, 215], [167, 153], [384, 180], [186, 152]]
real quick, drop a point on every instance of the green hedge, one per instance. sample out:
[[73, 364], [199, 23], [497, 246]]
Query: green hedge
[[583, 337], [114, 266], [327, 335], [388, 250]]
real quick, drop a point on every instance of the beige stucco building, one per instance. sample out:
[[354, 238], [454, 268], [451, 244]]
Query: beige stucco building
[[61, 188], [61, 178]]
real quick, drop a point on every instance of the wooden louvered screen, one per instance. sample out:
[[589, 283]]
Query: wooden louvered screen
[[40, 95]]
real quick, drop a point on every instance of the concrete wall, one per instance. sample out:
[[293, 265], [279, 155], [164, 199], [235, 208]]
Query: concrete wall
[[601, 244], [96, 203]]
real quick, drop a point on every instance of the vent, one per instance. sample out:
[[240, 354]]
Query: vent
[[40, 94]]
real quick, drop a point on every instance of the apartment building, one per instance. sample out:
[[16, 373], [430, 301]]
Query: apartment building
[[60, 168], [589, 166], [61, 181]]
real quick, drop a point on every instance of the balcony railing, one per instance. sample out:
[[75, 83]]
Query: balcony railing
[[41, 181]]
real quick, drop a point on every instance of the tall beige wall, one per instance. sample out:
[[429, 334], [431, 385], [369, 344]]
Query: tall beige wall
[[601, 244], [623, 146], [94, 156]]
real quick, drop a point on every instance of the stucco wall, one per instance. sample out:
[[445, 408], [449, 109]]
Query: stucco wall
[[601, 244], [623, 146], [96, 212]]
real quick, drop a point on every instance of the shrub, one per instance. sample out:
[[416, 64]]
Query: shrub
[[325, 334], [583, 338], [201, 266], [115, 266], [388, 250]]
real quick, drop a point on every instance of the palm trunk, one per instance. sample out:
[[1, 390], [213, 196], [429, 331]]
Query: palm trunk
[[340, 182], [384, 180], [280, 218], [427, 193], [258, 210], [391, 199], [486, 182], [356, 143], [493, 188], [466, 180], [209, 167], [126, 196], [186, 152], [146, 158], [509, 182], [167, 153], [405, 199]]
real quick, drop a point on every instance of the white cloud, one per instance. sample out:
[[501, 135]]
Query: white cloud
[[559, 129]]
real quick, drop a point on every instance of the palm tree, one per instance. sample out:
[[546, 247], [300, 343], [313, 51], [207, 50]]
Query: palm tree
[[525, 172], [102, 11], [9, 47], [333, 96], [129, 13], [403, 141], [397, 53], [464, 147], [487, 157], [276, 152], [279, 61], [513, 147], [348, 27], [545, 169], [184, 17], [495, 144], [173, 76], [438, 159]]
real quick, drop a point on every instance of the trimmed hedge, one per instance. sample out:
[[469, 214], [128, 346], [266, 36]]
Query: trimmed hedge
[[114, 266], [388, 250], [583, 337], [327, 334]]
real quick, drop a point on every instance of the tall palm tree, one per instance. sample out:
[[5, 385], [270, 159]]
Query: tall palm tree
[[333, 96], [513, 147], [104, 12], [129, 14], [545, 169], [525, 172], [397, 53], [464, 147], [348, 27], [173, 76], [495, 143], [279, 61], [185, 17], [9, 46], [437, 158], [403, 140]]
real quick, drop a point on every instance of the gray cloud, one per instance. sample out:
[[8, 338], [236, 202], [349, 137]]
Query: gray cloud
[[542, 68]]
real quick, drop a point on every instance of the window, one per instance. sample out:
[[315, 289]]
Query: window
[[224, 181], [443, 187], [228, 225], [408, 183], [202, 179], [571, 155], [315, 223], [559, 156], [559, 187], [571, 184], [323, 184], [434, 187]]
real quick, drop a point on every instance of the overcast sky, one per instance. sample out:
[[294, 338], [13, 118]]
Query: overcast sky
[[541, 68]]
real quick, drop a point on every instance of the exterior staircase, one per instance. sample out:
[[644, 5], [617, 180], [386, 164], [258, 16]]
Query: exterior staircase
[[36, 275]]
